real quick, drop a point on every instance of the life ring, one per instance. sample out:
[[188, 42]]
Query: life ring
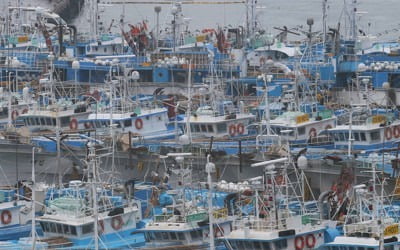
[[240, 128], [117, 222], [218, 232], [396, 131], [310, 241], [6, 217], [299, 242], [138, 123], [73, 124], [388, 133], [328, 127], [24, 111], [88, 125], [312, 132], [232, 130], [14, 115]]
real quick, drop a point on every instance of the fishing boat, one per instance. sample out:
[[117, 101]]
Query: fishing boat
[[376, 132], [371, 220], [278, 218], [15, 216], [87, 215], [189, 216]]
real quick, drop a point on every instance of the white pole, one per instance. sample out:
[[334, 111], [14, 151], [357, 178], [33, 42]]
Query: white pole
[[33, 198], [189, 132], [94, 197], [176, 123], [9, 100], [209, 167]]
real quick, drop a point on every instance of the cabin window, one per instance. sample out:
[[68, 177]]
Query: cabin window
[[37, 121], [26, 122], [59, 228], [48, 122], [173, 236], [266, 245], [197, 127], [88, 228], [196, 234], [301, 130], [45, 226], [147, 117], [375, 136], [356, 136], [341, 137], [257, 245], [281, 244], [54, 122], [164, 236], [346, 136], [157, 235], [363, 137], [98, 124], [203, 128], [104, 124], [53, 227], [240, 244], [210, 128], [159, 118], [105, 49], [73, 230], [248, 245], [65, 121], [127, 123], [66, 229], [391, 247], [42, 121], [181, 236], [221, 128], [336, 136], [150, 236]]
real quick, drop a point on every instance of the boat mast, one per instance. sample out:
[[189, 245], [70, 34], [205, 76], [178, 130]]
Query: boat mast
[[112, 89], [251, 20], [353, 27], [33, 198], [92, 180], [94, 14], [210, 167], [324, 20], [188, 112]]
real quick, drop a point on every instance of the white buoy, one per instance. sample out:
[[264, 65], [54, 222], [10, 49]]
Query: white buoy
[[184, 139], [302, 162]]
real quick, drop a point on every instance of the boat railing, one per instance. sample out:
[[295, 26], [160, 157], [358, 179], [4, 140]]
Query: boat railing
[[271, 223], [362, 228], [260, 224]]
